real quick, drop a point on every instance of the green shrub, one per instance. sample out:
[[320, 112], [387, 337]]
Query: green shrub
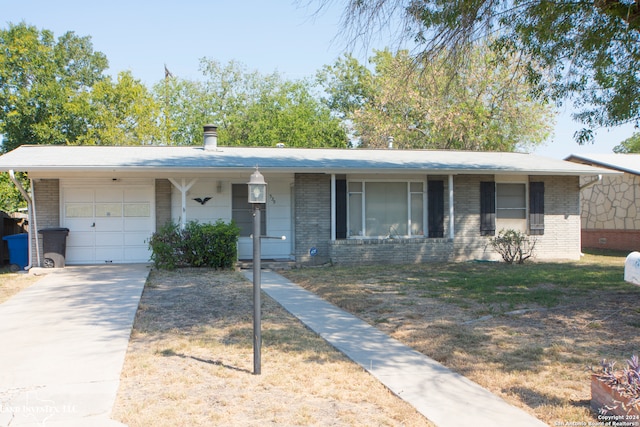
[[165, 246], [513, 246], [198, 245]]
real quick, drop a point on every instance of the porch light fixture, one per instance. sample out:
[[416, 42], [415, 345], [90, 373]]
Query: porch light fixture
[[257, 188]]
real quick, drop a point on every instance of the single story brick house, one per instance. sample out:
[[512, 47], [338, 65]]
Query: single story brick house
[[343, 206], [611, 206]]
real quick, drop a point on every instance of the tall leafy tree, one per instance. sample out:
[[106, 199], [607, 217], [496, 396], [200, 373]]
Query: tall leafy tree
[[249, 108], [420, 104], [44, 85], [123, 112], [584, 51]]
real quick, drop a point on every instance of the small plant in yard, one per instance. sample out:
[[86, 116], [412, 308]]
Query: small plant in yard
[[626, 381], [513, 246]]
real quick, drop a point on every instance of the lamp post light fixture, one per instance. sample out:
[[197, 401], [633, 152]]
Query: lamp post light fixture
[[257, 197], [257, 188]]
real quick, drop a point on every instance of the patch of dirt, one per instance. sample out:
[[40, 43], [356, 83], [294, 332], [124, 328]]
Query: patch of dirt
[[13, 283]]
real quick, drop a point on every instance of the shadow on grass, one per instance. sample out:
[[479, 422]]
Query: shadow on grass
[[171, 353], [534, 399]]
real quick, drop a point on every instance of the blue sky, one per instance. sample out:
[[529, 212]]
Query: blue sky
[[284, 36]]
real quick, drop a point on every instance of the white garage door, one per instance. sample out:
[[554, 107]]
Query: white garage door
[[108, 224]]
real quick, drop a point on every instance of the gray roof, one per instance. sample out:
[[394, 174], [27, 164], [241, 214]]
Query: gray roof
[[56, 159], [622, 162]]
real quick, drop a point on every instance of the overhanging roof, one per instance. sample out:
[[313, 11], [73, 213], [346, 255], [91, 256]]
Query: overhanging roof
[[621, 162], [59, 159]]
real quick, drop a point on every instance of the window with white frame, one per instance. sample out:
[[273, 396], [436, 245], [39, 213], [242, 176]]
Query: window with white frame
[[511, 206], [386, 209], [511, 201]]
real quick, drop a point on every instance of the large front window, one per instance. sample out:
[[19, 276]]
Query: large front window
[[386, 209]]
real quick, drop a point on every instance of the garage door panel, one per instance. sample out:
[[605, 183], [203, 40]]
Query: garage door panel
[[137, 224], [109, 195], [81, 238], [79, 195], [136, 194], [136, 254], [81, 255], [106, 254], [109, 239], [136, 239], [108, 223]]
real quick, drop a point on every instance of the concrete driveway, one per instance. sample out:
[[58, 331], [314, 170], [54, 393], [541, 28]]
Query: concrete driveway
[[63, 343]]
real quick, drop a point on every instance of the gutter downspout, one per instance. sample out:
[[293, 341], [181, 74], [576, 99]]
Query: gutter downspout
[[24, 193], [35, 223]]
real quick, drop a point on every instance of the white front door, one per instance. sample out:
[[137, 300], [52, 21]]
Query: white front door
[[108, 224]]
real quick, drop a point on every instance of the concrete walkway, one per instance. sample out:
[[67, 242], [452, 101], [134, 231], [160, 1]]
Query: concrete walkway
[[444, 397], [64, 340]]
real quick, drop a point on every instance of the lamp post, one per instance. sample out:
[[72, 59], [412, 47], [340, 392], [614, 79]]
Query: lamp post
[[257, 197]]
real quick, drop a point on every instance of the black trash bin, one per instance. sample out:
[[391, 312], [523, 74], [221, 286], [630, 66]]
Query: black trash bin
[[54, 246]]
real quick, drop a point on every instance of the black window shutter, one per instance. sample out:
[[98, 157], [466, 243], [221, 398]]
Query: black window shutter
[[487, 208], [341, 208], [436, 208], [536, 208]]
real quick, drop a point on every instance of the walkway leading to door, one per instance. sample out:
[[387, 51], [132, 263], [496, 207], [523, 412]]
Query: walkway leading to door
[[64, 340], [444, 397]]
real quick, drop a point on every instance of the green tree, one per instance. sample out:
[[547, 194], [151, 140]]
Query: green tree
[[420, 105], [44, 85], [629, 145], [121, 113], [584, 51], [249, 108]]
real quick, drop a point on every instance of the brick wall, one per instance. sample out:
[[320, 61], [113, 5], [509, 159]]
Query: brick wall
[[390, 251], [619, 240], [561, 239], [47, 208], [312, 210]]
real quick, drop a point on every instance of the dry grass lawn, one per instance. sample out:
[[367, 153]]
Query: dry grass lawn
[[12, 283], [526, 333], [190, 363]]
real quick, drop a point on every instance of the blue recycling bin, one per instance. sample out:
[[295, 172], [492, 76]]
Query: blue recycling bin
[[18, 250]]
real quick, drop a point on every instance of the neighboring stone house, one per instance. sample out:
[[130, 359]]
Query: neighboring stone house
[[344, 206], [610, 207]]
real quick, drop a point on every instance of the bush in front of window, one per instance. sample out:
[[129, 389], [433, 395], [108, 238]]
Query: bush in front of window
[[198, 245], [513, 246]]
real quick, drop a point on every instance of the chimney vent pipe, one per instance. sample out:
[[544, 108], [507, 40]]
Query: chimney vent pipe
[[210, 137]]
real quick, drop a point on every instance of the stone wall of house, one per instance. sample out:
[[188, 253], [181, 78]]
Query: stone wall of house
[[611, 213], [47, 208], [163, 202], [312, 210]]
